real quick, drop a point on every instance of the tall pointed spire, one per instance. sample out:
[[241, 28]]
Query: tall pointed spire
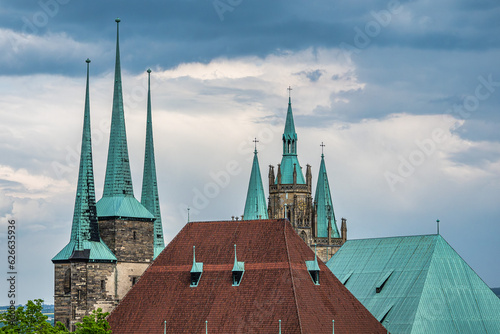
[[85, 242], [324, 204], [149, 196], [118, 179], [289, 162], [118, 197], [255, 206]]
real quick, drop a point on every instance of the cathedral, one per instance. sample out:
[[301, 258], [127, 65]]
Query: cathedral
[[114, 240]]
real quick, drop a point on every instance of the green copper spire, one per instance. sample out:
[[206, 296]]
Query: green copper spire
[[118, 197], [289, 162], [149, 196], [118, 179], [324, 205], [85, 242], [255, 206]]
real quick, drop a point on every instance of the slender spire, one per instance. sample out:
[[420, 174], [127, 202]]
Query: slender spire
[[255, 206], [324, 205], [118, 178], [85, 242], [289, 135], [289, 161], [118, 197], [149, 196]]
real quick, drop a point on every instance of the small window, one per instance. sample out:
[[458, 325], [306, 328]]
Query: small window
[[134, 235], [103, 285], [134, 280], [196, 270]]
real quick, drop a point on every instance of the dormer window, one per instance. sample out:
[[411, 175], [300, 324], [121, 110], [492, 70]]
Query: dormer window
[[313, 268], [196, 271], [238, 269]]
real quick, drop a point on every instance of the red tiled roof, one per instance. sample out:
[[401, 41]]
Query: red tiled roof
[[276, 285]]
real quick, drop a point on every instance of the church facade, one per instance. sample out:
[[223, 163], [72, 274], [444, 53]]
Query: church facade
[[114, 240]]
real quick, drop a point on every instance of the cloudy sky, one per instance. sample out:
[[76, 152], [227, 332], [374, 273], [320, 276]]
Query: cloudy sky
[[404, 94]]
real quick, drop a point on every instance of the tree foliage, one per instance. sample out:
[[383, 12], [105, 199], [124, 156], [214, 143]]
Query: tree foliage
[[30, 319]]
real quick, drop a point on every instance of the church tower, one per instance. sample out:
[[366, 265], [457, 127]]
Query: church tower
[[255, 205], [290, 197], [289, 192], [114, 240], [149, 195], [83, 266], [126, 226]]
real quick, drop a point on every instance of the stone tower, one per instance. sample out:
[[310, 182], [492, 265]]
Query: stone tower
[[290, 196], [114, 240], [289, 192], [82, 268]]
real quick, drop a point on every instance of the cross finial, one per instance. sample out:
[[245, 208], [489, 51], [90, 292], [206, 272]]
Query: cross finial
[[322, 146], [289, 89], [255, 142]]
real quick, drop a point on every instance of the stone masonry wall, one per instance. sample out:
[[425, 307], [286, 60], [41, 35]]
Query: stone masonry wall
[[81, 287], [129, 240]]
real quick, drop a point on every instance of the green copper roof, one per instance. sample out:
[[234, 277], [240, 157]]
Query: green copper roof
[[255, 206], [85, 237], [324, 205], [118, 181], [289, 160], [423, 285], [289, 132], [149, 196]]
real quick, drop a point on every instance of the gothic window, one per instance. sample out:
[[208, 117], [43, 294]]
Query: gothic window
[[134, 235], [103, 285], [293, 146]]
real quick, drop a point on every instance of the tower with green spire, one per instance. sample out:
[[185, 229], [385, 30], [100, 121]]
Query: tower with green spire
[[255, 205], [323, 205], [290, 197], [126, 226], [289, 192], [149, 196], [86, 254]]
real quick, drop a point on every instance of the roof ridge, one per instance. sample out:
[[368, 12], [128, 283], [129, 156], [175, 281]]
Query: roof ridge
[[431, 259], [291, 275]]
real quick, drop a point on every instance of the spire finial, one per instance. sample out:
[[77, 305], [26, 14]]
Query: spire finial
[[255, 142], [289, 89], [437, 222], [322, 146], [188, 212], [117, 20]]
